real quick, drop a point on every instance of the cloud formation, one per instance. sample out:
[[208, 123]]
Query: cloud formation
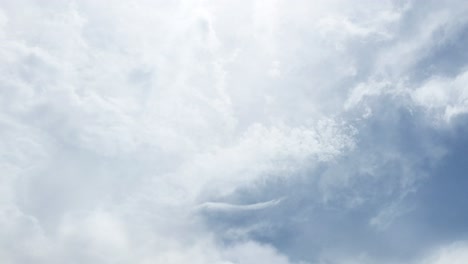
[[232, 131]]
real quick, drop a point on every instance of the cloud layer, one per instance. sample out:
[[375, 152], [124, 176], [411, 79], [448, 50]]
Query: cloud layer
[[233, 132]]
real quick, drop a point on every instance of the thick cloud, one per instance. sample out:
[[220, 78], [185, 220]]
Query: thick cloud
[[232, 131]]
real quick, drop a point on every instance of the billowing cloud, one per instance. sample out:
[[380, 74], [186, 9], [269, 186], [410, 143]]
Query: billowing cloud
[[232, 131]]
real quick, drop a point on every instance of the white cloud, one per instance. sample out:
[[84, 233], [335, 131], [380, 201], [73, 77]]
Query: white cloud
[[455, 253], [445, 97], [118, 119], [215, 206], [110, 118]]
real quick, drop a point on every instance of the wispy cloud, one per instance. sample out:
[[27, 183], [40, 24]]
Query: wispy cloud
[[226, 207]]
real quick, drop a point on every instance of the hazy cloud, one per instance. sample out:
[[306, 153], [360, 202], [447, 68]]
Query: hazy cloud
[[232, 132]]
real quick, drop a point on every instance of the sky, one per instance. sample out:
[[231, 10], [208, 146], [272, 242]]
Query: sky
[[233, 132]]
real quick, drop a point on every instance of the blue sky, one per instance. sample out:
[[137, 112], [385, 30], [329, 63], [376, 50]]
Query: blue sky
[[196, 131]]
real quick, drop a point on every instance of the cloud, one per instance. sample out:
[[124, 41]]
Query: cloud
[[164, 132], [454, 253], [444, 97], [213, 206]]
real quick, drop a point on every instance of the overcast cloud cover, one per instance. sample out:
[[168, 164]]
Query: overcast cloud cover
[[263, 131]]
